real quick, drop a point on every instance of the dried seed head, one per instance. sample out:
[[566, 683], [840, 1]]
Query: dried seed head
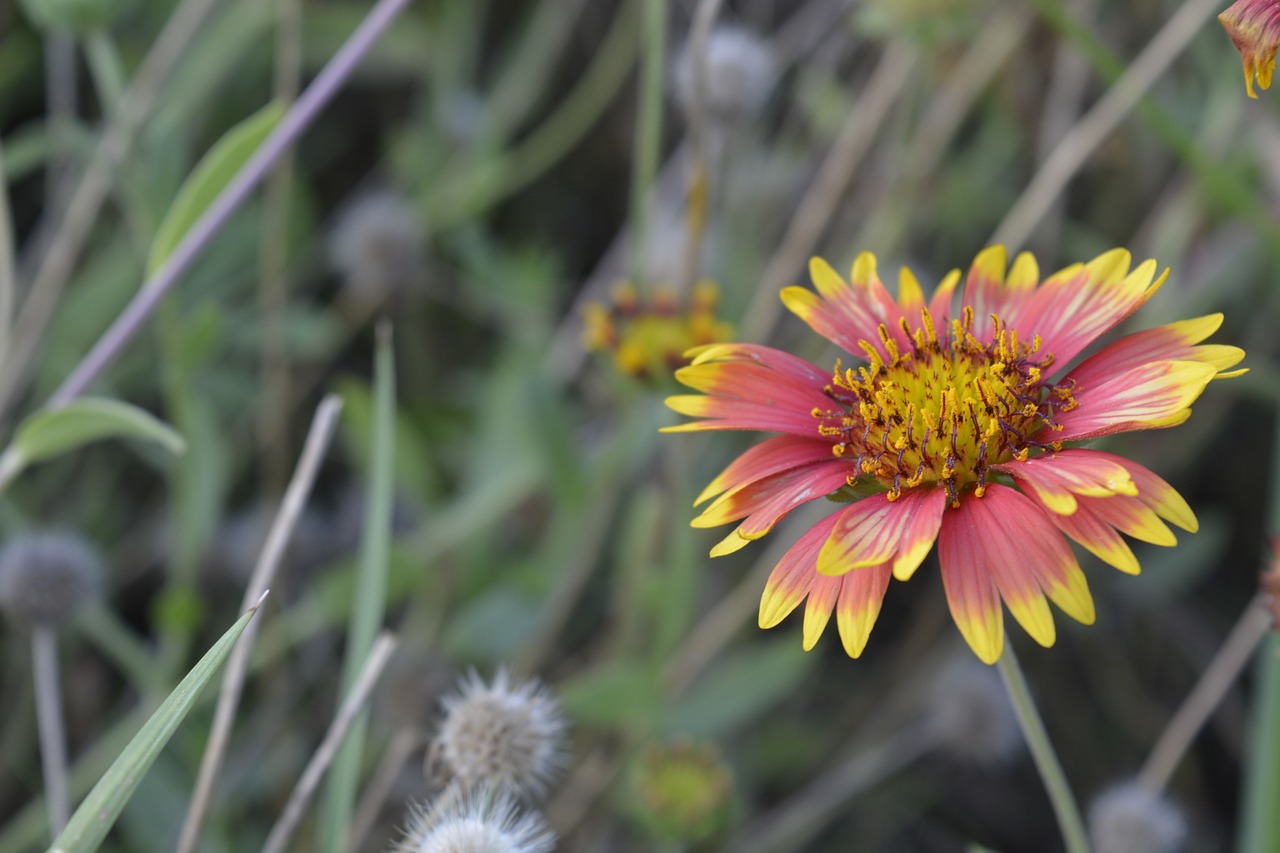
[[378, 245], [1129, 818], [739, 75], [500, 735], [970, 716], [46, 577], [476, 824]]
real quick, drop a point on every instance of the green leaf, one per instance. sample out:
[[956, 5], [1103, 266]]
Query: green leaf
[[96, 815], [214, 171], [744, 685], [51, 432]]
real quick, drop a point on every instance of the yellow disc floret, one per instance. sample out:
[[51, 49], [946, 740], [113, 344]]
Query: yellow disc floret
[[943, 411]]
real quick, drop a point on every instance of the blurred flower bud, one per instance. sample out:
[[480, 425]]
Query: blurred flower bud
[[476, 824], [739, 74], [1129, 818], [500, 735], [46, 577], [970, 716], [649, 336], [681, 791], [378, 245], [1254, 26], [78, 16]]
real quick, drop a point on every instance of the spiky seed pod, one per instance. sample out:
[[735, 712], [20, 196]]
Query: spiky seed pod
[[970, 717], [476, 824], [500, 735], [739, 75], [46, 577], [378, 245], [1129, 818]]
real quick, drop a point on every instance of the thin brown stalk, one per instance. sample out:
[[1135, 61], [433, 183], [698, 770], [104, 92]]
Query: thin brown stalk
[[404, 743], [1254, 624], [804, 814], [829, 185], [698, 190], [264, 571], [273, 295], [351, 708], [1076, 145]]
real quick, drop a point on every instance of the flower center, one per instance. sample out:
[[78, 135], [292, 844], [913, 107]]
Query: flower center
[[944, 411]]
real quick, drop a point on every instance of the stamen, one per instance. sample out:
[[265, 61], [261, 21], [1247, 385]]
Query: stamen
[[978, 404]]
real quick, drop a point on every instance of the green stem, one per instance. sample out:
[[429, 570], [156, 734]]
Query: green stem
[[1261, 819], [653, 36], [1055, 781], [1262, 784]]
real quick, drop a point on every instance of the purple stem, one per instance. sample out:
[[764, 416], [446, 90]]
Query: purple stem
[[295, 121]]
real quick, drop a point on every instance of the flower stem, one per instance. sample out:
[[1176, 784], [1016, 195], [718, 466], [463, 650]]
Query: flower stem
[[53, 739], [1055, 781]]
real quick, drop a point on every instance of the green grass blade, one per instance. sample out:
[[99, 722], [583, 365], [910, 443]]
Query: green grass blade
[[96, 815], [370, 596]]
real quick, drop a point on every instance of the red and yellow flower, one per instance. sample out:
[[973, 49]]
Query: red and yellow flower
[[1254, 26], [953, 427]]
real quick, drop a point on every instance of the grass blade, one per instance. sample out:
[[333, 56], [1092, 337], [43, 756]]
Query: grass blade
[[96, 815], [370, 596]]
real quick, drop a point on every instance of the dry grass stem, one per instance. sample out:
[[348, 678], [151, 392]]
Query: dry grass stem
[[1076, 145], [829, 186], [1254, 624], [373, 666], [295, 499]]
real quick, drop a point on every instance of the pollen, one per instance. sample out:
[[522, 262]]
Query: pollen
[[943, 410]]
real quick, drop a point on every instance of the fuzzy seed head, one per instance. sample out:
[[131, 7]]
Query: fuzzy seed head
[[1129, 818], [46, 577], [500, 735], [970, 716], [739, 75], [476, 824], [378, 245]]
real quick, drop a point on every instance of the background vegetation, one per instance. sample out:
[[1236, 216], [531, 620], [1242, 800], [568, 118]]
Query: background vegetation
[[540, 521]]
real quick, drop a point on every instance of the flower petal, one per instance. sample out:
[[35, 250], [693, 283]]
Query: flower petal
[[793, 576], [765, 502], [861, 596], [1057, 478], [1096, 522], [1174, 342], [876, 530], [1076, 306], [848, 313], [1254, 27], [771, 456], [823, 595], [1152, 396], [751, 387], [1160, 497], [1003, 542], [921, 530], [971, 592]]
